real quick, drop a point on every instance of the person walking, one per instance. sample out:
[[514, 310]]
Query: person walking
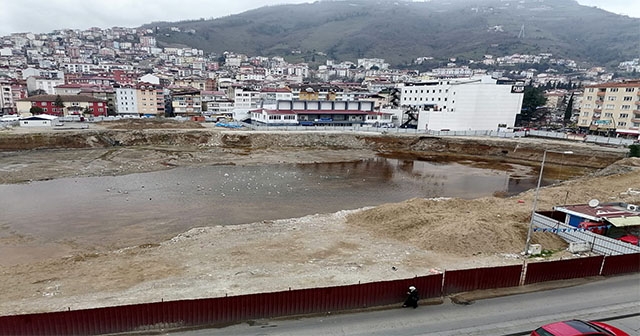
[[412, 298]]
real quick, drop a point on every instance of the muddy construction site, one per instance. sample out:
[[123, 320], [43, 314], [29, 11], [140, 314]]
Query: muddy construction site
[[390, 241]]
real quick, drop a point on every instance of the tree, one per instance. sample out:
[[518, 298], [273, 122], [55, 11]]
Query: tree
[[58, 102], [36, 110], [568, 112], [533, 97]]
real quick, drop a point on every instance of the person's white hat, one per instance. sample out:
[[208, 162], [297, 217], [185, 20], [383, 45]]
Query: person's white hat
[[411, 288]]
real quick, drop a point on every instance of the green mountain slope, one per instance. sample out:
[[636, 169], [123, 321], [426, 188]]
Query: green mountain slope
[[401, 31]]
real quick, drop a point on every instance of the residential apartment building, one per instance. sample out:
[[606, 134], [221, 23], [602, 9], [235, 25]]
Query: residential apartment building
[[201, 84], [476, 103], [149, 100], [215, 104], [611, 108], [315, 91], [272, 95], [43, 83], [126, 101], [186, 103], [68, 89], [7, 105], [104, 93], [246, 98], [555, 98], [78, 67]]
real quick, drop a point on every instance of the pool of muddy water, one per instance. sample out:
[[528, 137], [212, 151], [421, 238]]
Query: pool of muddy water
[[55, 217]]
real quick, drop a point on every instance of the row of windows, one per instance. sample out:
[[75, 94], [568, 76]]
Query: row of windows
[[432, 91], [609, 106], [608, 115], [619, 124], [629, 89], [426, 99], [614, 98]]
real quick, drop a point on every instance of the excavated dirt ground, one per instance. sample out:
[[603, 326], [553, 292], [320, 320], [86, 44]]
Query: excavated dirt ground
[[391, 241]]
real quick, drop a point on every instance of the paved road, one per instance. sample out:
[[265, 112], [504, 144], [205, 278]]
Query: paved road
[[509, 315]]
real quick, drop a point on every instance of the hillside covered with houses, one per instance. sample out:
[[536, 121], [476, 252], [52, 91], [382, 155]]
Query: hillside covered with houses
[[115, 73]]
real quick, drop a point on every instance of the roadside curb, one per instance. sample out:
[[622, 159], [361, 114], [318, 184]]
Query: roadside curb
[[470, 297]]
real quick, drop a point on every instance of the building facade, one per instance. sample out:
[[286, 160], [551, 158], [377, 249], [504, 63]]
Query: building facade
[[126, 101], [149, 100], [476, 103], [7, 106], [186, 103], [611, 109], [71, 105], [43, 83], [316, 113]]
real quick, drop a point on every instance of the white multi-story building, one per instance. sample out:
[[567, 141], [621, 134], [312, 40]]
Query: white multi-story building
[[7, 105], [41, 83], [126, 101], [270, 95], [78, 67], [453, 71], [476, 103], [245, 100], [368, 63], [33, 72]]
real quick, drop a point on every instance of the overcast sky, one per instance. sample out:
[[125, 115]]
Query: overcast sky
[[41, 16]]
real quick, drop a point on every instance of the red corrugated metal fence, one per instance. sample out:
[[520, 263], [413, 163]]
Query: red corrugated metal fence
[[217, 311], [620, 264], [225, 310], [481, 278], [563, 269]]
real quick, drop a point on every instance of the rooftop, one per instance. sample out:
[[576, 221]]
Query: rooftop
[[610, 212]]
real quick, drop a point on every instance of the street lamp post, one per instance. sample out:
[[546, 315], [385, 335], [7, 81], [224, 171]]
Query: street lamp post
[[535, 199]]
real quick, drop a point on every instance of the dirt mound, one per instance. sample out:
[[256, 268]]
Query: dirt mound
[[454, 226], [134, 124], [620, 167]]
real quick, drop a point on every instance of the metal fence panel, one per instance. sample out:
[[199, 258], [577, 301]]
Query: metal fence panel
[[481, 278], [397, 130], [548, 134], [204, 312], [562, 269], [621, 264], [609, 140]]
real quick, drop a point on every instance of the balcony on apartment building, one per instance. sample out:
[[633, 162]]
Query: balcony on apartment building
[[596, 116], [601, 93], [597, 110]]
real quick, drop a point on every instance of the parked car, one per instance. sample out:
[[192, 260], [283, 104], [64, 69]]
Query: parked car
[[578, 328]]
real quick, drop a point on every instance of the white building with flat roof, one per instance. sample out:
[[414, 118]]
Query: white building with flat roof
[[40, 120], [126, 101], [476, 103]]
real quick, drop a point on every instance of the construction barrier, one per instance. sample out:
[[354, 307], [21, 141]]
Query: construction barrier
[[621, 264], [563, 269], [481, 278], [228, 310]]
